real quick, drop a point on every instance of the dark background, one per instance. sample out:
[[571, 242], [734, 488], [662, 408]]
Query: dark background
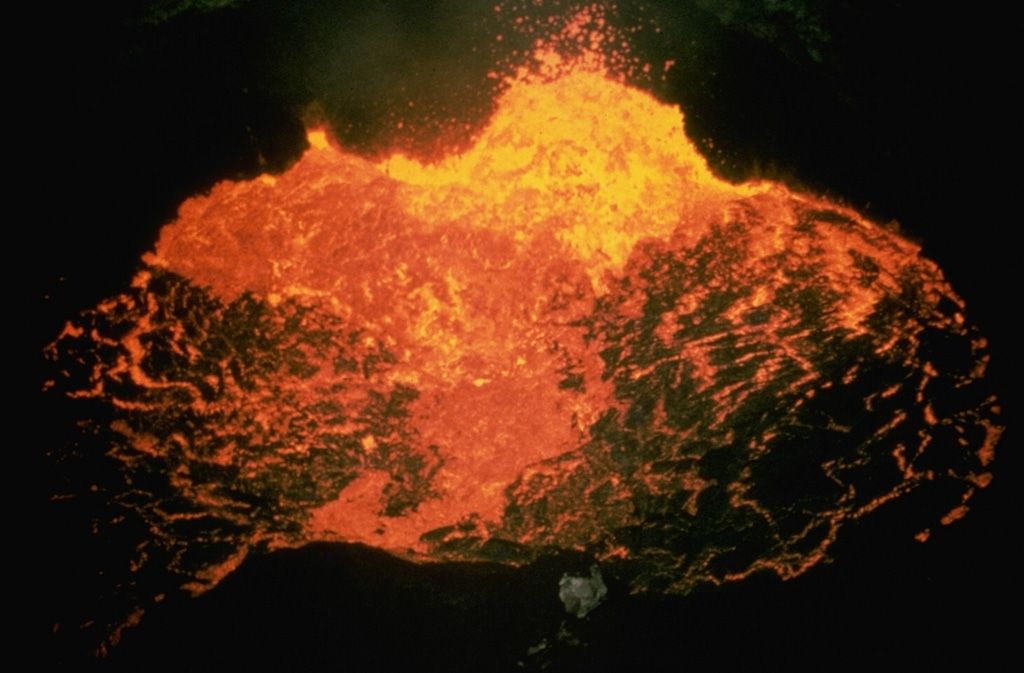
[[900, 114]]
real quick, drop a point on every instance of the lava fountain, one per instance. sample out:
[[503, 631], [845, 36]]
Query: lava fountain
[[571, 335]]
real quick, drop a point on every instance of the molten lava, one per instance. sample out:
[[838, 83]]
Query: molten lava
[[572, 335], [474, 273]]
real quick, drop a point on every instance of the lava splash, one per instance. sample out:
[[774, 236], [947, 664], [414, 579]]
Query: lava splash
[[572, 335]]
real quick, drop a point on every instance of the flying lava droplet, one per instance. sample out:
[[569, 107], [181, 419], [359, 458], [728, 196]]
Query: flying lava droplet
[[571, 335]]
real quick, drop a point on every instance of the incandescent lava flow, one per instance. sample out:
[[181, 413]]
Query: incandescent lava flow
[[571, 335]]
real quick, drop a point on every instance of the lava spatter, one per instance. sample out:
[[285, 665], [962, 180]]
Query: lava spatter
[[571, 335]]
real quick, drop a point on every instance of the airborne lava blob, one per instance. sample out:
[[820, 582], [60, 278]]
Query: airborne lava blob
[[572, 335]]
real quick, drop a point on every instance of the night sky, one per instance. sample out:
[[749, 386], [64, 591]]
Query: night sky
[[882, 109]]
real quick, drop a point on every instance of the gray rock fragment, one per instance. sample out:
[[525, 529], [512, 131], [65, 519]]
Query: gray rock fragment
[[580, 595]]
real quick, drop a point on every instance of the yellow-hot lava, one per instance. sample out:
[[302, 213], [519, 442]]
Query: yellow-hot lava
[[595, 165]]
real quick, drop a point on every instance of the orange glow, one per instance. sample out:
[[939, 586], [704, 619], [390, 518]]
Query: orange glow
[[317, 138], [571, 334], [954, 515]]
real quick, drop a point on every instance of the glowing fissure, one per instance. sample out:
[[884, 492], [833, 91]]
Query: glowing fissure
[[571, 335]]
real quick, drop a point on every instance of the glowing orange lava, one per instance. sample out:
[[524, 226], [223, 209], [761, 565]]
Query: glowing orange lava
[[572, 334]]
